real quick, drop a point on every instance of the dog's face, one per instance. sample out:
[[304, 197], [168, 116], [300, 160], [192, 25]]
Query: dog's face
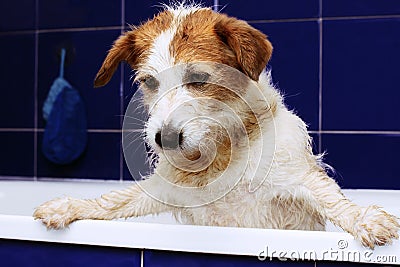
[[194, 67]]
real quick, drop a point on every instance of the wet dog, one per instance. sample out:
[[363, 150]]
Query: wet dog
[[230, 152]]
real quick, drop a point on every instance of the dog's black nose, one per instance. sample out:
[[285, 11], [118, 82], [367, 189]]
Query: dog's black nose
[[169, 138]]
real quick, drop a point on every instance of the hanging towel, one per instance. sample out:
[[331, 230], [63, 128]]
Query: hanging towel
[[65, 135]]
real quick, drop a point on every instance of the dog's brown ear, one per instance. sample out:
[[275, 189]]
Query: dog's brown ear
[[251, 47], [122, 50]]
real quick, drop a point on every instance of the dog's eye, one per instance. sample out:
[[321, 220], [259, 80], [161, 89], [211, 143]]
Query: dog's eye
[[150, 82], [197, 78]]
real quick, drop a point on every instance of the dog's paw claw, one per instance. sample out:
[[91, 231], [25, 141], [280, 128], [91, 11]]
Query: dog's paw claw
[[56, 213], [376, 227]]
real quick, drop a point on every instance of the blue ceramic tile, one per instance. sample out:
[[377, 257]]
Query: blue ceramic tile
[[85, 54], [295, 65], [136, 153], [17, 15], [346, 264], [137, 150], [154, 258], [360, 74], [26, 253], [268, 10], [315, 143], [16, 153], [17, 77], [138, 173], [130, 89], [140, 167], [364, 161], [341, 8], [99, 161], [207, 3], [82, 13], [138, 11]]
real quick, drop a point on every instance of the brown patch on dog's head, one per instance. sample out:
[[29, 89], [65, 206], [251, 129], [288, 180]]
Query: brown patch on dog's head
[[205, 35], [132, 46], [195, 40], [202, 35]]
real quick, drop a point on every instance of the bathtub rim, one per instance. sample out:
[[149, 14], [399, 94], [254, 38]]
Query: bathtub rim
[[189, 238]]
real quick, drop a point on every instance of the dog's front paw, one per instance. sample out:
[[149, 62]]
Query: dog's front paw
[[376, 227], [57, 213]]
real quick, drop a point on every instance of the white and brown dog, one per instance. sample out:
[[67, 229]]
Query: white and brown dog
[[230, 152]]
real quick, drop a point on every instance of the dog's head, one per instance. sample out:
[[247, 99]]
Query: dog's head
[[194, 67]]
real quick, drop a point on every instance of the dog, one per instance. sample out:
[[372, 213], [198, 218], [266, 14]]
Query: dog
[[230, 153]]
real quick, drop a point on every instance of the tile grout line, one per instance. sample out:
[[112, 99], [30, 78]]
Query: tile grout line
[[41, 130], [282, 20], [361, 132], [58, 30], [83, 29], [216, 5], [320, 29], [19, 129], [18, 32], [74, 179], [319, 82], [104, 131], [356, 132], [35, 112], [394, 16], [371, 132], [250, 21], [122, 15], [121, 109], [121, 96], [325, 18], [121, 99]]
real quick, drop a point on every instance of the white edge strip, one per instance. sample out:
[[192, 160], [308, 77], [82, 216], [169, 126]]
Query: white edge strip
[[281, 244]]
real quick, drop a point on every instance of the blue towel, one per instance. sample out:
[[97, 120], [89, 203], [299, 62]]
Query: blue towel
[[65, 135]]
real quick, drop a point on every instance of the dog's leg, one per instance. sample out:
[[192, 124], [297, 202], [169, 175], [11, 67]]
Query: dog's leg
[[131, 202], [370, 225]]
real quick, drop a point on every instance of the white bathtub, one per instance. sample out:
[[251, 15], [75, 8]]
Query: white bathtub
[[18, 200]]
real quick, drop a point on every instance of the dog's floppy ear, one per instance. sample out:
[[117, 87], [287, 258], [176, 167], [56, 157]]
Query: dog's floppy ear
[[122, 50], [251, 47]]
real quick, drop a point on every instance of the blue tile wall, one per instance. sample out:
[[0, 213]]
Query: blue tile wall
[[79, 14], [136, 14], [295, 71], [343, 8], [269, 10], [17, 77], [136, 155], [17, 15], [137, 151], [87, 50], [347, 264], [16, 154], [24, 253], [100, 160], [362, 69], [28, 253], [356, 166], [154, 258], [315, 142], [139, 11], [336, 62]]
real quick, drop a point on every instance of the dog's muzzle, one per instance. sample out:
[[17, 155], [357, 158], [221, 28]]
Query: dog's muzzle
[[169, 138]]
